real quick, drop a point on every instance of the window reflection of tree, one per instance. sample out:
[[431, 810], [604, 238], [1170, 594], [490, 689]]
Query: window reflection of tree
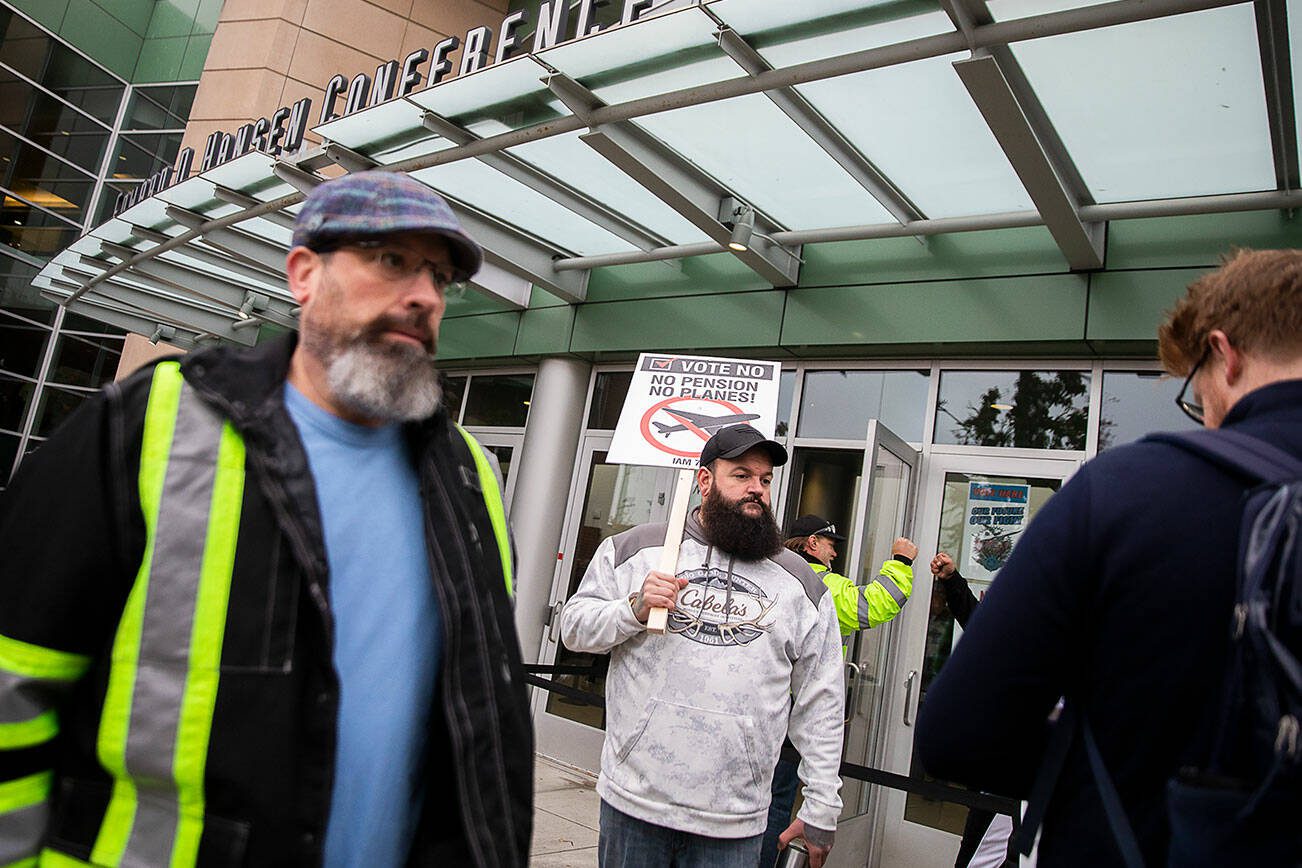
[[1046, 411]]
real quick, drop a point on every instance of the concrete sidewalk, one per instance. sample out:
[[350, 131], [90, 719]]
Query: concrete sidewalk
[[565, 814]]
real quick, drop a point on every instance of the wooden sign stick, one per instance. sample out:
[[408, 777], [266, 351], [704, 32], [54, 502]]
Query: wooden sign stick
[[658, 618]]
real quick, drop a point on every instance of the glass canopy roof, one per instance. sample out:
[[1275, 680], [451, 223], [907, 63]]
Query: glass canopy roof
[[827, 120]]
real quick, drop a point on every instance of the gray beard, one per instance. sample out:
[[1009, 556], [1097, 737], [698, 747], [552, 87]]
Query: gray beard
[[391, 384]]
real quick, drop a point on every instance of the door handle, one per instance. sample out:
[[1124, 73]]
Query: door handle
[[851, 685], [554, 620], [908, 695]]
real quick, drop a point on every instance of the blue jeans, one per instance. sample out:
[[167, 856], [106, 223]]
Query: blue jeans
[[785, 782], [627, 842]]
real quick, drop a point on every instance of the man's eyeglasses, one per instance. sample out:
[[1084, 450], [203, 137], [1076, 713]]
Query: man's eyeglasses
[[1188, 406], [395, 262]]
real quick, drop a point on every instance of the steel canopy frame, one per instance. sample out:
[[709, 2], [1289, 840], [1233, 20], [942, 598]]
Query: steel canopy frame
[[992, 77], [696, 196]]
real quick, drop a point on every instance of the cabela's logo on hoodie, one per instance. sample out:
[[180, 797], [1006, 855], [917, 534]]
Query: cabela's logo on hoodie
[[719, 608]]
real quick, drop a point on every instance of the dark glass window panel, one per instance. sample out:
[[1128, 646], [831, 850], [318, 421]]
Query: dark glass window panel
[[454, 389], [22, 344], [501, 400], [38, 240], [838, 404], [50, 123], [17, 294], [608, 398], [56, 406], [1136, 403], [58, 68], [85, 361], [159, 108], [139, 156], [73, 322], [14, 397], [1025, 409], [8, 452], [42, 179]]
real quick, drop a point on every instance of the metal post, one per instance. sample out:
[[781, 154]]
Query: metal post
[[545, 467]]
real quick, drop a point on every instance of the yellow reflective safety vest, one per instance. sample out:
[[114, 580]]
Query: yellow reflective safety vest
[[163, 676], [859, 608]]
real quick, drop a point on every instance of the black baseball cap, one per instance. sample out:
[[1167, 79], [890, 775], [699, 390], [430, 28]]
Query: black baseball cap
[[814, 525], [737, 440]]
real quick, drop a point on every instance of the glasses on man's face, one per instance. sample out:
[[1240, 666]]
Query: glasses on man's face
[[1191, 408], [397, 263]]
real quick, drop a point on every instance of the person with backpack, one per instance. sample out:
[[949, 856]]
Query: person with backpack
[[1172, 637]]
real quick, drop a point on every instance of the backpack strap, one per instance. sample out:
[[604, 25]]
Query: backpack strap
[[1235, 451]]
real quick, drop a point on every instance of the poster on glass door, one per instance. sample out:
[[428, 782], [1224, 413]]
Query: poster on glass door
[[996, 514]]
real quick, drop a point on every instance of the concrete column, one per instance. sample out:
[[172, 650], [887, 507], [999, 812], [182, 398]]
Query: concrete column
[[538, 506]]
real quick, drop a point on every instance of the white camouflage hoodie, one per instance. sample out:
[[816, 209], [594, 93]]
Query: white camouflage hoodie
[[695, 718]]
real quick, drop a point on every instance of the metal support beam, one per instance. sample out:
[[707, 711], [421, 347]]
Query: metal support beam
[[264, 253], [205, 285], [116, 315], [1081, 244], [347, 158], [248, 272], [679, 184], [496, 282], [558, 191], [243, 200], [170, 308], [823, 134], [302, 181], [521, 255], [1277, 74]]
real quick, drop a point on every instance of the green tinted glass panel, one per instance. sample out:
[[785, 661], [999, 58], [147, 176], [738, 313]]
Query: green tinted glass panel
[[159, 108]]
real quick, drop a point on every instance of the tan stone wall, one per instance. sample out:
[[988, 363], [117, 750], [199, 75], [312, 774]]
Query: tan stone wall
[[269, 53], [138, 351]]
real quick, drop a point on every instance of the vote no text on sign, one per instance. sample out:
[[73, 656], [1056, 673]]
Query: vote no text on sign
[[675, 403]]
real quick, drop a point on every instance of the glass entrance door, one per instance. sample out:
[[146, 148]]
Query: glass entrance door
[[974, 508], [607, 499], [867, 492]]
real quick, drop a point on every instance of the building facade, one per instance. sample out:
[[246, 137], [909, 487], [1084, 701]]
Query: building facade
[[956, 227]]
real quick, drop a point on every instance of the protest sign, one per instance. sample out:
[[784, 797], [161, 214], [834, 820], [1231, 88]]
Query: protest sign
[[996, 513], [674, 405]]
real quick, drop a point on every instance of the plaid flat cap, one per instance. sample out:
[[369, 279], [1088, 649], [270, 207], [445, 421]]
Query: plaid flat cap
[[367, 204]]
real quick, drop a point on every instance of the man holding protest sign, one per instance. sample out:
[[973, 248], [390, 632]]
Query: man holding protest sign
[[695, 718]]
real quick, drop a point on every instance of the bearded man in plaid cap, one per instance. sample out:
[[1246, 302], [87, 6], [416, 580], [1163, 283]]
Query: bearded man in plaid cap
[[284, 635]]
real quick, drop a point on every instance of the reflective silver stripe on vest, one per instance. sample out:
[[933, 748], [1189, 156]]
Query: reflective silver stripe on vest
[[864, 613], [22, 699], [893, 589], [167, 624], [20, 830]]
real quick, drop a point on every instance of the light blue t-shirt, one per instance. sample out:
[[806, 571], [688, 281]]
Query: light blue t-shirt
[[388, 636]]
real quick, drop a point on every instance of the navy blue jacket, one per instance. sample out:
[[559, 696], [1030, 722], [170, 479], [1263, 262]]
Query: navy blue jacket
[[1119, 595]]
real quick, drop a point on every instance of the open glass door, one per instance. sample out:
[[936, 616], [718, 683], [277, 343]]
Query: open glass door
[[607, 499], [972, 507], [883, 511]]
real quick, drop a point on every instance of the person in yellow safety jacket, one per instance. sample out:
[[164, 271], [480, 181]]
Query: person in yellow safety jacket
[[858, 607]]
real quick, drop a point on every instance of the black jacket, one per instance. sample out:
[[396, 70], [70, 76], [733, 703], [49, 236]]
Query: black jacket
[[72, 535], [1118, 596]]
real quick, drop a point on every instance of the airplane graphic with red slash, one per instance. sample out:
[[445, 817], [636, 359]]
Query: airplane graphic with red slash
[[702, 424]]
